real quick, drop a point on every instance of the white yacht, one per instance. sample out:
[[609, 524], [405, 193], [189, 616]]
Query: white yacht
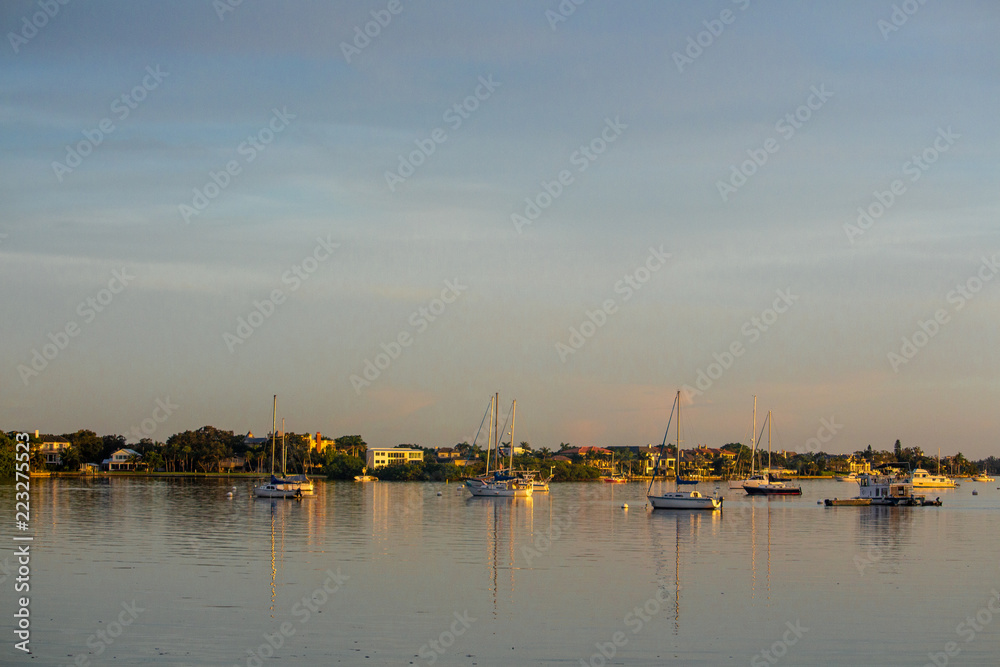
[[924, 480]]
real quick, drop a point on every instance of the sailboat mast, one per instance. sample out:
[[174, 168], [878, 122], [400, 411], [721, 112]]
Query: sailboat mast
[[282, 446], [769, 444], [274, 412], [753, 437], [489, 440], [496, 432], [513, 413], [677, 472]]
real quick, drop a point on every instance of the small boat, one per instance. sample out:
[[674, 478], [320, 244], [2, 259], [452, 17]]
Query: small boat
[[983, 477], [770, 486], [276, 491], [364, 476], [503, 483], [853, 477], [614, 479], [276, 487], [679, 500]]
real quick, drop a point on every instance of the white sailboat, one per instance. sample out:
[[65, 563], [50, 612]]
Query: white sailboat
[[754, 478], [500, 485], [680, 500], [271, 489]]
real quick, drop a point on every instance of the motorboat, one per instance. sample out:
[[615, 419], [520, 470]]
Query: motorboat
[[924, 480]]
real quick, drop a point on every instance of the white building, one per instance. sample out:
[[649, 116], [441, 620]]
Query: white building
[[122, 459], [376, 457]]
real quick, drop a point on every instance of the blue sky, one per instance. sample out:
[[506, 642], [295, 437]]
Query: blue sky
[[437, 262]]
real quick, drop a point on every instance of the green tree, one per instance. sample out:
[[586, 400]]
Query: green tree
[[70, 458], [90, 447], [354, 444], [8, 456], [339, 465]]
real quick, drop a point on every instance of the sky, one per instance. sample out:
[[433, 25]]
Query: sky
[[385, 212]]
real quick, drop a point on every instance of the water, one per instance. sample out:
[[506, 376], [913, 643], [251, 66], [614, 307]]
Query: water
[[181, 575]]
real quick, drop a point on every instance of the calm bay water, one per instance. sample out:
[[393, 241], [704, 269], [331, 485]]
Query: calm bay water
[[394, 574]]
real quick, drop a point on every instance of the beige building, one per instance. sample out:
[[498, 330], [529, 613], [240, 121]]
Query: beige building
[[376, 457]]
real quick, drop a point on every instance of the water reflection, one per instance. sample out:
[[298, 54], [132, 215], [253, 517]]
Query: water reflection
[[688, 525], [885, 533]]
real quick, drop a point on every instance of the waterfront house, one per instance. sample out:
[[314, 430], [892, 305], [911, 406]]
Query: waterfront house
[[52, 448], [122, 459], [376, 457]]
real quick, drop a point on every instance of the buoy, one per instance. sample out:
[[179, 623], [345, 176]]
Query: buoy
[[229, 494], [624, 506], [975, 493], [439, 493]]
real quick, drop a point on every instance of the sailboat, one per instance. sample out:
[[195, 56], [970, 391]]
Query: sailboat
[[771, 486], [503, 484], [679, 500], [290, 482], [364, 476], [754, 479], [615, 477], [273, 489]]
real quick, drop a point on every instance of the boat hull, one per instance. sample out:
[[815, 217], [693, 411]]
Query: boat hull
[[272, 491], [479, 489], [684, 501], [769, 490]]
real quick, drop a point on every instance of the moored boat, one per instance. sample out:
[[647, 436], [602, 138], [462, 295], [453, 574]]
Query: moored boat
[[769, 485], [924, 480], [983, 477], [679, 500]]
